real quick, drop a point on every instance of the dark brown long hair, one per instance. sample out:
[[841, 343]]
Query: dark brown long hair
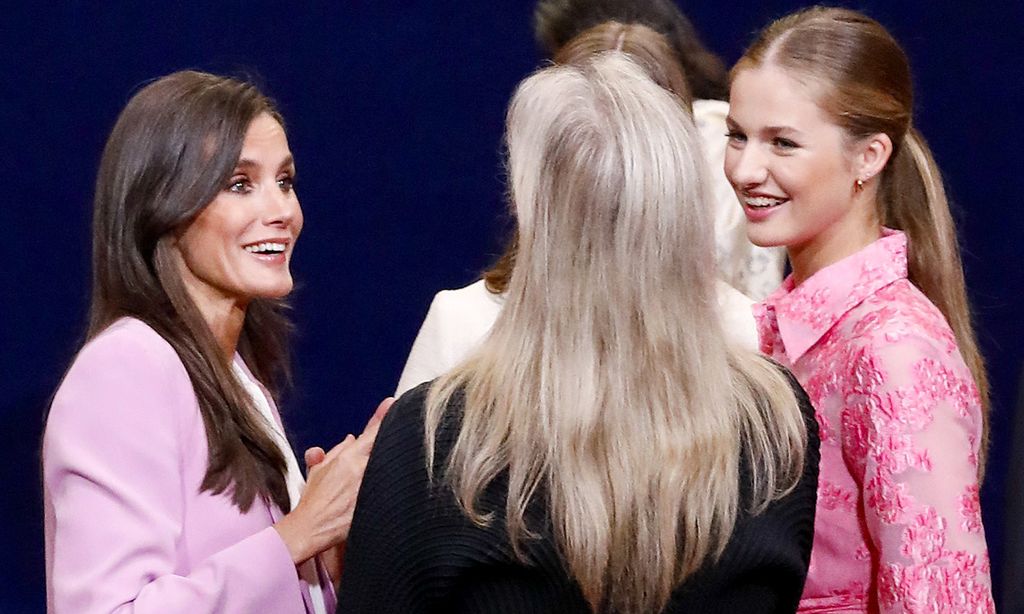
[[172, 150], [556, 22], [865, 85]]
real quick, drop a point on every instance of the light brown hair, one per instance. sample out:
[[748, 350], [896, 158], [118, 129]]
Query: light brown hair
[[864, 83], [171, 152], [556, 22], [643, 45]]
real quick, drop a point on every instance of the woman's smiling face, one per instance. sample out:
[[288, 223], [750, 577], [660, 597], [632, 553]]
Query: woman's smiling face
[[239, 247], [788, 162]]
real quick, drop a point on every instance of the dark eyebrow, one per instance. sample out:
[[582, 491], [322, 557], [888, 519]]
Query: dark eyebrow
[[247, 164]]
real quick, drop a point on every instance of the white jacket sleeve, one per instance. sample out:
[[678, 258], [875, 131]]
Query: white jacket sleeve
[[455, 324]]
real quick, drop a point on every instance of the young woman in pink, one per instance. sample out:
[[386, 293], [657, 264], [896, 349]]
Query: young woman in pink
[[874, 320]]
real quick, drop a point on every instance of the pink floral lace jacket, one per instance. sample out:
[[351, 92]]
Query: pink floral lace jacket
[[898, 525]]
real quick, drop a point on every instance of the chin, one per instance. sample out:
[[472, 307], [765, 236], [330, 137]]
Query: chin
[[765, 238], [273, 291]]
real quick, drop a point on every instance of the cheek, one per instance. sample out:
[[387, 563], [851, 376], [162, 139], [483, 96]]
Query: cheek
[[195, 241], [805, 177], [729, 164], [210, 241], [213, 240], [833, 183]]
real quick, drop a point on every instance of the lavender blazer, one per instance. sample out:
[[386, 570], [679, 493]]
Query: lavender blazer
[[127, 528]]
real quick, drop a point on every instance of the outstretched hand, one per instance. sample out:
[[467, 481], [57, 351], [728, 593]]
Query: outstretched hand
[[315, 455], [323, 516]]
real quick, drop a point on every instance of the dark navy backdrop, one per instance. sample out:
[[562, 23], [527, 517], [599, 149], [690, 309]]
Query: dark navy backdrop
[[395, 113]]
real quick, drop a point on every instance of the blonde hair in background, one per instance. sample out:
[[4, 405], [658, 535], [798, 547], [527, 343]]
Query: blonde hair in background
[[863, 79], [607, 383]]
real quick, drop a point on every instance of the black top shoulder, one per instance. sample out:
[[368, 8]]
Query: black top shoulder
[[412, 549]]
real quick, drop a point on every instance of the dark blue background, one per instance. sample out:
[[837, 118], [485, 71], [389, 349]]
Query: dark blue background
[[395, 114]]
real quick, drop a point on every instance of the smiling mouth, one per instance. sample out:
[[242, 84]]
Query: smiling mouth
[[763, 202], [267, 248]]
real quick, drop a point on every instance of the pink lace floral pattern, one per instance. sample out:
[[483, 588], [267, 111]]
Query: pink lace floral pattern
[[900, 424]]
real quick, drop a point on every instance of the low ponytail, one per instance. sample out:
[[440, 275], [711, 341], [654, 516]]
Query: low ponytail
[[913, 199], [867, 88]]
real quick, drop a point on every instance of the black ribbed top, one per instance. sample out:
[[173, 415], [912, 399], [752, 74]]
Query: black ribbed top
[[412, 550]]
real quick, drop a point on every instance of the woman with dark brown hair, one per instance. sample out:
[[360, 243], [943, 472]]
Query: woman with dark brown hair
[[169, 484]]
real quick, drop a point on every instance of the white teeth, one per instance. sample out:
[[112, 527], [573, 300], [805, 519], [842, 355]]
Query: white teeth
[[762, 201], [265, 248]]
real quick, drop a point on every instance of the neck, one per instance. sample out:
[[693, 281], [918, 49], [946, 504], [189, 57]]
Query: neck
[[844, 238], [227, 328], [223, 313], [225, 319]]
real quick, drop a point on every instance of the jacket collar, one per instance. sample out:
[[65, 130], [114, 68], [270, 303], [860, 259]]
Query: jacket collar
[[803, 314]]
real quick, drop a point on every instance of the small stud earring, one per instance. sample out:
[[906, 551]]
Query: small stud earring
[[858, 185]]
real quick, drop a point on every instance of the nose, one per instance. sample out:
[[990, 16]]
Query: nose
[[745, 167], [281, 208]]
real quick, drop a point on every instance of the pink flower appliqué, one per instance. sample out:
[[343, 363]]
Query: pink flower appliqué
[[856, 435], [941, 382], [935, 588], [924, 537], [888, 498], [808, 308], [834, 497], [911, 408], [894, 451], [970, 510], [899, 514]]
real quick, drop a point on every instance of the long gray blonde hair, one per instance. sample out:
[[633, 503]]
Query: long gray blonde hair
[[607, 383]]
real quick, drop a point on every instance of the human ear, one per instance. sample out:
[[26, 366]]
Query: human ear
[[873, 152]]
